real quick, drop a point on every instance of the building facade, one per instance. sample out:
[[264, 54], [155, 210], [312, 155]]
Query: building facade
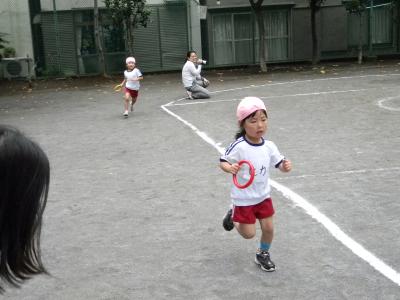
[[70, 47], [233, 33], [59, 34]]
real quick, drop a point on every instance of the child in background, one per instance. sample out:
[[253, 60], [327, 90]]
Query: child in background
[[24, 185], [255, 201], [132, 76]]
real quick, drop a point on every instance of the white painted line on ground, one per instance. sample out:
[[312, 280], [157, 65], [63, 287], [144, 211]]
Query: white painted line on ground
[[283, 83], [267, 97], [303, 81], [341, 173], [342, 237], [201, 134], [385, 106]]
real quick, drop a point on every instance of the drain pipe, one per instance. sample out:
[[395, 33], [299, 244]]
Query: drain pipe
[[189, 21]]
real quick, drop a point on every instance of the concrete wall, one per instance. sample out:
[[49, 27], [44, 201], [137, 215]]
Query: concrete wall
[[301, 34], [194, 26], [15, 22], [334, 38]]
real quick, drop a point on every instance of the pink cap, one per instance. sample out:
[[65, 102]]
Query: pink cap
[[130, 59], [247, 106]]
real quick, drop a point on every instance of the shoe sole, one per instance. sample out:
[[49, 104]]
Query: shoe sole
[[226, 227], [262, 268]]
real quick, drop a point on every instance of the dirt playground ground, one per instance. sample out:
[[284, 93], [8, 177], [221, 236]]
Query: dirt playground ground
[[136, 204]]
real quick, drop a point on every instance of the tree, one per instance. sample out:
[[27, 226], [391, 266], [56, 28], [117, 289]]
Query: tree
[[130, 13], [2, 42], [357, 7], [315, 6], [257, 8], [97, 33]]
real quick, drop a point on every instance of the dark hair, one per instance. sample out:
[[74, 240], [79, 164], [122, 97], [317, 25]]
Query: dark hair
[[24, 181], [242, 131], [189, 53]]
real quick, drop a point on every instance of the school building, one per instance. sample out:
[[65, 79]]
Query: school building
[[59, 34]]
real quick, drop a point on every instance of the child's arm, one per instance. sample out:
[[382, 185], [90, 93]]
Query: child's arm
[[285, 166], [229, 168], [123, 82]]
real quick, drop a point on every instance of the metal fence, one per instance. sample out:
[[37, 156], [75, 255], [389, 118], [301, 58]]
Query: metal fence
[[69, 47]]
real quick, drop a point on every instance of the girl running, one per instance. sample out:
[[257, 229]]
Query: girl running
[[132, 76], [254, 202]]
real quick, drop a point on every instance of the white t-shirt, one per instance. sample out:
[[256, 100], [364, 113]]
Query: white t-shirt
[[262, 156], [129, 75], [190, 73]]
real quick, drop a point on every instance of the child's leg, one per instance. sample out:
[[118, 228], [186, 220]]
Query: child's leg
[[133, 102], [247, 231], [243, 220], [263, 258], [126, 102], [267, 233]]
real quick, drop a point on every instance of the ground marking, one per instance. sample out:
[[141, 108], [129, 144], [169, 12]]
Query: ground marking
[[267, 97], [341, 173], [385, 106], [311, 210], [301, 81], [283, 83]]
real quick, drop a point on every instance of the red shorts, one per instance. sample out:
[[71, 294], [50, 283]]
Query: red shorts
[[249, 214], [133, 93]]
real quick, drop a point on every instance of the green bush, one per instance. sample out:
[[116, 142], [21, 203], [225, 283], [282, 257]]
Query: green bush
[[2, 40], [9, 52]]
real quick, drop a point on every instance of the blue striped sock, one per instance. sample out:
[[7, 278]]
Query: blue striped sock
[[264, 246]]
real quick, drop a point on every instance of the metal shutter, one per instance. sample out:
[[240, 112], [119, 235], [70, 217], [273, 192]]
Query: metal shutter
[[66, 56], [162, 45]]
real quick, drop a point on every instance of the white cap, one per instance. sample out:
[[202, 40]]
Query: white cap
[[131, 59]]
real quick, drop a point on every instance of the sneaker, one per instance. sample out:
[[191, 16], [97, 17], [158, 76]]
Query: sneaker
[[264, 261], [189, 95], [126, 113], [227, 222]]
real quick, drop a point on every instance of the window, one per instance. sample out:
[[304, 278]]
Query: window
[[223, 36], [276, 35], [88, 45], [84, 32], [381, 23], [236, 42], [376, 21], [233, 39], [113, 38]]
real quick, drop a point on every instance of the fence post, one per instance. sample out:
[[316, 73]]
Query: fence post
[[57, 35]]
